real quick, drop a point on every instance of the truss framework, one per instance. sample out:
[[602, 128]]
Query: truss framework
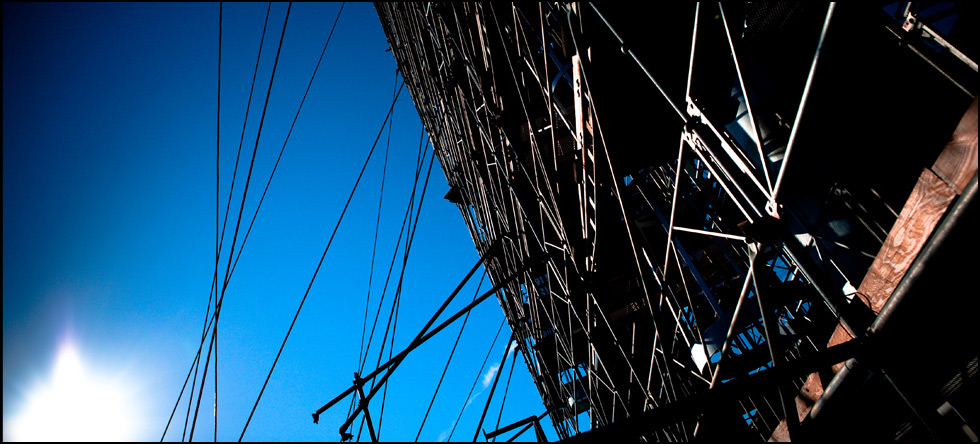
[[666, 276]]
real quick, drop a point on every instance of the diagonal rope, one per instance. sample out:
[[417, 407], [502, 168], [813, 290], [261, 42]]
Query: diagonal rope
[[477, 380], [231, 192], [283, 149], [401, 277], [396, 303], [186, 380], [217, 209], [506, 390], [196, 360], [394, 256], [217, 311], [219, 239], [241, 140], [322, 257], [402, 234], [377, 228], [449, 360], [374, 251]]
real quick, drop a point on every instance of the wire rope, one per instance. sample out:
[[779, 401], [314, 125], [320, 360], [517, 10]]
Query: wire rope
[[401, 278], [286, 141], [506, 390], [477, 380], [449, 360], [217, 311], [322, 257]]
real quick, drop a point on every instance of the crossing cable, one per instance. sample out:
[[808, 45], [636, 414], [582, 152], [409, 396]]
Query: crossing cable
[[401, 277], [207, 328], [217, 209], [378, 312], [425, 333], [506, 390], [207, 313], [322, 257], [477, 380], [503, 361], [241, 140], [265, 191], [401, 232], [450, 359], [391, 266], [219, 243], [374, 249], [377, 227], [217, 310], [396, 304], [283, 149], [189, 371]]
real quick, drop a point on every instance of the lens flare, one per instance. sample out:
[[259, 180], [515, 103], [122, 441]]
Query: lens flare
[[75, 404]]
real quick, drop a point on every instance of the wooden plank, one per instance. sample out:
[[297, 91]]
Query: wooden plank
[[933, 193], [957, 164], [922, 212]]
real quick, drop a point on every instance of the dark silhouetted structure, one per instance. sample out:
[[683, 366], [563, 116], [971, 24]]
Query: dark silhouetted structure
[[739, 221]]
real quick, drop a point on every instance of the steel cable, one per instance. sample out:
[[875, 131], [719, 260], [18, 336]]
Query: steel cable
[[248, 178], [322, 257], [475, 381], [450, 359]]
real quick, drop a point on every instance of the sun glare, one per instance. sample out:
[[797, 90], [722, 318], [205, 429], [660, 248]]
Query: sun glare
[[75, 404]]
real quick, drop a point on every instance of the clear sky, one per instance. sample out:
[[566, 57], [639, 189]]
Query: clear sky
[[109, 115]]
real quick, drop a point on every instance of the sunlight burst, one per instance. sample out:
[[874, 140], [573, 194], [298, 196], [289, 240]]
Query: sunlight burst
[[75, 404]]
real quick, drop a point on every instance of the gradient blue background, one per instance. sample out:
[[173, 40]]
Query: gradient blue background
[[109, 217]]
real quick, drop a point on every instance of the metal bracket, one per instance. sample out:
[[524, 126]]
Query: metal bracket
[[912, 23]]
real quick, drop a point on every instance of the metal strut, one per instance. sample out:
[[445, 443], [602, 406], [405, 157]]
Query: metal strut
[[420, 339], [359, 383]]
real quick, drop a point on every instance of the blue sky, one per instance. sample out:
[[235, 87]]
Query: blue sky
[[109, 218]]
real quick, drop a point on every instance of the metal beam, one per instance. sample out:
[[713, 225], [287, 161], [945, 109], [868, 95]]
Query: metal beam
[[393, 362], [693, 405]]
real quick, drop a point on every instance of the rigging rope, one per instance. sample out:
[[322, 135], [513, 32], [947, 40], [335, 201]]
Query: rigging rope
[[181, 393], [322, 257], [409, 237], [219, 239], [217, 311], [477, 380], [450, 359], [374, 250], [506, 390], [261, 200], [425, 334], [401, 233], [207, 313], [283, 149], [401, 278], [241, 140], [377, 228], [217, 211], [391, 266]]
